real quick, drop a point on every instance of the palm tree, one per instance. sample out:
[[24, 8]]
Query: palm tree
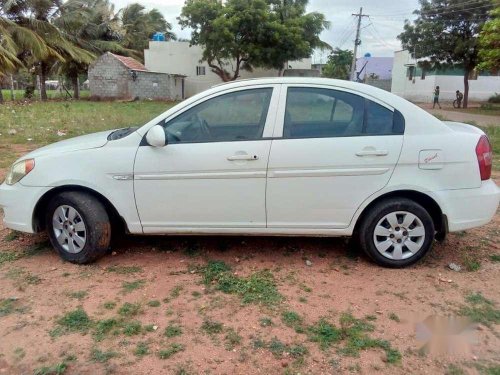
[[37, 17], [139, 26], [91, 25]]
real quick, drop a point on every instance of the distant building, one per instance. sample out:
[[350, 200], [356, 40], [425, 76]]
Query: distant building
[[118, 77], [182, 59], [414, 83]]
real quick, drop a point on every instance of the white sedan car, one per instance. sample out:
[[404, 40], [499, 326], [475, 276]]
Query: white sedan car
[[277, 156]]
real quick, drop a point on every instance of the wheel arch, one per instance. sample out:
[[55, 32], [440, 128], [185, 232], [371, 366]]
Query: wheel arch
[[427, 202], [38, 221]]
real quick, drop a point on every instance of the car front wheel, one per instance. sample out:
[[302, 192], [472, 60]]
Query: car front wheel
[[78, 226], [397, 232]]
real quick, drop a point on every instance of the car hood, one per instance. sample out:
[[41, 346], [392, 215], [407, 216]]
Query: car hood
[[84, 142]]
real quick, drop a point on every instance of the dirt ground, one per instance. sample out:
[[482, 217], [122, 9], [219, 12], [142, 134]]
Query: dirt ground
[[57, 317]]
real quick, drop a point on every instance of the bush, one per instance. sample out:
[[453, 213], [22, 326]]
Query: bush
[[495, 98], [29, 92]]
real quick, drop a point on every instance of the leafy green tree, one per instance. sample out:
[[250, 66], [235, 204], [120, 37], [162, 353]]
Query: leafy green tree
[[489, 43], [244, 34], [338, 64], [53, 45], [91, 25], [446, 32], [139, 26]]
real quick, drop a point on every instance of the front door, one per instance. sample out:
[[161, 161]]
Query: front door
[[212, 172], [332, 150]]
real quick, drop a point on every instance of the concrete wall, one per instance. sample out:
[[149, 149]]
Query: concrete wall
[[110, 79], [150, 85], [422, 90], [180, 58]]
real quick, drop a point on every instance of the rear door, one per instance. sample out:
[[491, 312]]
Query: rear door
[[332, 149]]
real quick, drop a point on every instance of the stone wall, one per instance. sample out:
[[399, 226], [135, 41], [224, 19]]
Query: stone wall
[[150, 85], [108, 78]]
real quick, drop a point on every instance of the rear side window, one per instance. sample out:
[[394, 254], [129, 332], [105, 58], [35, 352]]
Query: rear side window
[[321, 113]]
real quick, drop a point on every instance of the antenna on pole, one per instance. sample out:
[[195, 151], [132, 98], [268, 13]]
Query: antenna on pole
[[357, 42]]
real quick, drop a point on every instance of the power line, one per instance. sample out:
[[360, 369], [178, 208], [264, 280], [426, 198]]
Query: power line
[[450, 8]]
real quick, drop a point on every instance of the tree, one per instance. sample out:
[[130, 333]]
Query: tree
[[243, 34], [446, 32], [91, 25], [489, 43], [338, 64], [37, 17], [140, 25]]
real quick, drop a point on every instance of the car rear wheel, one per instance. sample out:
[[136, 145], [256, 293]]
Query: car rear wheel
[[397, 232], [78, 226]]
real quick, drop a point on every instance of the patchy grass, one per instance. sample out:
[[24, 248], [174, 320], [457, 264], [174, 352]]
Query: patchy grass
[[129, 309], [130, 286], [293, 320], [97, 355], [132, 328], [495, 258], [394, 317], [170, 351], [353, 333], [104, 327], [11, 305], [278, 349], [212, 327], [259, 288], [57, 369], [173, 330], [124, 270], [480, 310], [75, 321], [265, 322], [232, 339], [79, 294], [141, 349], [12, 236], [154, 303], [109, 305], [324, 333], [8, 256], [454, 370]]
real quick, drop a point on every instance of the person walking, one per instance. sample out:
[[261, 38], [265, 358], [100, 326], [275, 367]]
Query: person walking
[[460, 97], [436, 98]]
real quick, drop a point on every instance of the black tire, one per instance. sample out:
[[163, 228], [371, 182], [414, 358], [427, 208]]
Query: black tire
[[377, 213], [96, 221]]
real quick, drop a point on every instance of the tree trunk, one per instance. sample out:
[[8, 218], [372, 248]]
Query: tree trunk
[[1, 96], [43, 77], [466, 88], [76, 86]]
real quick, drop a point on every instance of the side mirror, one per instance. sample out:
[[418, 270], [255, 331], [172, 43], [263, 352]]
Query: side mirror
[[156, 136]]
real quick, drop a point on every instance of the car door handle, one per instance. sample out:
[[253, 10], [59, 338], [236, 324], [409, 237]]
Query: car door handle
[[372, 153], [242, 157]]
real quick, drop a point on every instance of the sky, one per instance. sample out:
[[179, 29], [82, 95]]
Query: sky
[[378, 34]]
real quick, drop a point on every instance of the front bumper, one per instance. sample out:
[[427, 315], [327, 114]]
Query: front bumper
[[469, 208], [18, 203]]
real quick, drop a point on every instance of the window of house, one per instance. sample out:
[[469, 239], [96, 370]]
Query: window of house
[[321, 113], [237, 116], [200, 71]]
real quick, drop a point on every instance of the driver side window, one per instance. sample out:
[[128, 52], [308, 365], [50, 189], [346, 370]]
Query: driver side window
[[237, 116]]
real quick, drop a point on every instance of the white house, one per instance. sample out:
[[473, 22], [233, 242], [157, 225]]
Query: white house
[[413, 83], [182, 59]]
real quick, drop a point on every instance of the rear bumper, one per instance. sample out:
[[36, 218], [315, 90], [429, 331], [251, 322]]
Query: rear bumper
[[18, 203], [469, 208]]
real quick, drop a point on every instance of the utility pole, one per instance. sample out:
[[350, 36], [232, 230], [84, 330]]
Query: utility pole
[[357, 42]]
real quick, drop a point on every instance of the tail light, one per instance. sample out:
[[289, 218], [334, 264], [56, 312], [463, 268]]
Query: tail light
[[484, 157]]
